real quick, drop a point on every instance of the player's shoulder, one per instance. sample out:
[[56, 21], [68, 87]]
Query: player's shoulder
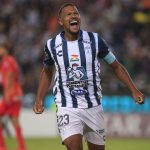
[[54, 37], [53, 40], [89, 34], [96, 35]]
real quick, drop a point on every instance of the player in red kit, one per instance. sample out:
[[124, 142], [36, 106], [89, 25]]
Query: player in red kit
[[10, 95]]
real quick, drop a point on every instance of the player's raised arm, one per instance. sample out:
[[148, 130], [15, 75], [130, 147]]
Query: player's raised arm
[[44, 83], [124, 76], [119, 70]]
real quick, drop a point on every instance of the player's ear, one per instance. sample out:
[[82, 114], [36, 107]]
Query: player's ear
[[60, 21]]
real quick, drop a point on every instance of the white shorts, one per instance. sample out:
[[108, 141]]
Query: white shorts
[[87, 122]]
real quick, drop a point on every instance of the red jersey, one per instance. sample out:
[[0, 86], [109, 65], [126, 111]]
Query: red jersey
[[9, 65]]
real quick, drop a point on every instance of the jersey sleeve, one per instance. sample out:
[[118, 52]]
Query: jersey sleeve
[[48, 60], [104, 51]]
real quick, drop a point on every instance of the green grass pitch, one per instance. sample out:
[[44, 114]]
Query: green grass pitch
[[55, 144]]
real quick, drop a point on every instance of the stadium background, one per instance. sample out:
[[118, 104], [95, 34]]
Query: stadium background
[[124, 24]]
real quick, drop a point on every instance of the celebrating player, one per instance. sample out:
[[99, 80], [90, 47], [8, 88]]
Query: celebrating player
[[11, 95], [79, 109]]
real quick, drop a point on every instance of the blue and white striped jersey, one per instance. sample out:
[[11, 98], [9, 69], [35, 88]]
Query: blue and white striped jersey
[[77, 69]]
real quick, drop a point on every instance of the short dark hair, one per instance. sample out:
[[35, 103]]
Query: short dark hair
[[63, 6]]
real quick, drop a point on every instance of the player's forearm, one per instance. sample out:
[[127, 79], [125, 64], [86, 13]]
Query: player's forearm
[[124, 77], [44, 84]]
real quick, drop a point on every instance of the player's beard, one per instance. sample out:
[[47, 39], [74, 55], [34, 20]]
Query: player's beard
[[74, 34]]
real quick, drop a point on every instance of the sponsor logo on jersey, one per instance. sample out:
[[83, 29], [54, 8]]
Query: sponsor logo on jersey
[[79, 92], [77, 84], [77, 78], [86, 42], [59, 53], [74, 58], [76, 73], [87, 45], [100, 131]]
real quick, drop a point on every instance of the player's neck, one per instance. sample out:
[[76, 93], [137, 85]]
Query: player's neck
[[71, 36]]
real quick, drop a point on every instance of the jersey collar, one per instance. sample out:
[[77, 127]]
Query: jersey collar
[[80, 38]]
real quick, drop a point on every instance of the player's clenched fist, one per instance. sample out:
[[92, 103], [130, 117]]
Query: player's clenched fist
[[138, 97], [38, 107], [139, 100]]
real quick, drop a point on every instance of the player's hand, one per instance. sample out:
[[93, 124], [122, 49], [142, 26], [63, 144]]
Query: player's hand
[[38, 107], [138, 97]]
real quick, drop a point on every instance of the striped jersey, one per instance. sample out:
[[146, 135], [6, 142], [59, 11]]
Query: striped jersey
[[77, 79]]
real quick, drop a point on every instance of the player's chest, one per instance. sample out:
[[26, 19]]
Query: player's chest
[[69, 53]]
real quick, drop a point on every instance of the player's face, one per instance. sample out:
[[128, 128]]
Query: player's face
[[70, 19]]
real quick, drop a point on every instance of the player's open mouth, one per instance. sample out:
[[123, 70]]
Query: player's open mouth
[[74, 23]]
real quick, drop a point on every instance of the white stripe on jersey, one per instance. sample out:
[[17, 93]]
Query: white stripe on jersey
[[88, 52], [97, 66]]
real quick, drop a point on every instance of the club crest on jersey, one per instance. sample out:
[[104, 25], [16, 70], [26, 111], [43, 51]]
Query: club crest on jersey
[[76, 76], [74, 58]]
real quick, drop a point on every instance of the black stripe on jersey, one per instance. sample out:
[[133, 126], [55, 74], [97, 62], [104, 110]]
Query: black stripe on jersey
[[63, 98], [102, 48], [83, 63], [66, 63], [55, 91], [48, 61], [93, 48]]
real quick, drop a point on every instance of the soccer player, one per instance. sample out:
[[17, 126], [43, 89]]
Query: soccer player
[[77, 89], [11, 95]]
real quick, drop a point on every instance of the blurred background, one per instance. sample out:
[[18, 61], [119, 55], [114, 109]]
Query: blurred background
[[124, 24]]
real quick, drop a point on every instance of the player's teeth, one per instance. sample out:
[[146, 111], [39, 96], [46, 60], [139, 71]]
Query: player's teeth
[[73, 22]]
